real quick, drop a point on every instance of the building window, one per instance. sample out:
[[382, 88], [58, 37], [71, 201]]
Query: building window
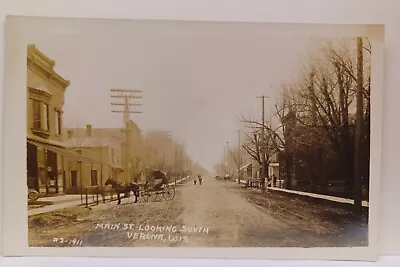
[[46, 117], [40, 116], [58, 122], [37, 122]]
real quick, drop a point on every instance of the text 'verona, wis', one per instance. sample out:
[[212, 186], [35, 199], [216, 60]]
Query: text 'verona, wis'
[[151, 228]]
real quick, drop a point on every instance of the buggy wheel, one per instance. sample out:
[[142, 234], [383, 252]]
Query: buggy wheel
[[151, 196], [33, 195], [158, 195], [169, 193], [146, 196], [143, 197]]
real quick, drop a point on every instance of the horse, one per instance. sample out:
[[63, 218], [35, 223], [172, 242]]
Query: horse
[[119, 188]]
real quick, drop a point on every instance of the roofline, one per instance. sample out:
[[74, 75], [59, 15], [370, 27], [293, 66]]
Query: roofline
[[38, 60]]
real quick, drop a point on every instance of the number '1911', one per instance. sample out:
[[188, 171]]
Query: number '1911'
[[72, 242]]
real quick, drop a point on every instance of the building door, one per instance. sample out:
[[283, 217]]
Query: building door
[[93, 178], [74, 179], [64, 179], [52, 172], [32, 167]]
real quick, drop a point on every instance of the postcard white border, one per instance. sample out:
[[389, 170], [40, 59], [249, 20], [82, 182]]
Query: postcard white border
[[15, 223]]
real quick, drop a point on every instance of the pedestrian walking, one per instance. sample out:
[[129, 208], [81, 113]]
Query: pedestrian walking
[[200, 179], [195, 181]]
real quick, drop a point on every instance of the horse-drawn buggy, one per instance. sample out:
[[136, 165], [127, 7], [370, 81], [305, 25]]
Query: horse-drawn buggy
[[148, 194], [156, 188]]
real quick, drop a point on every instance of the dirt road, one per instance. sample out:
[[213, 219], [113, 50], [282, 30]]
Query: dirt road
[[230, 219], [215, 214], [234, 221]]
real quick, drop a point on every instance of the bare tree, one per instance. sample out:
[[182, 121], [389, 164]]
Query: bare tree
[[323, 103], [254, 146], [233, 156], [161, 152]]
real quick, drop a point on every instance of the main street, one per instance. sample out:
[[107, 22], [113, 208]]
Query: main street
[[215, 214]]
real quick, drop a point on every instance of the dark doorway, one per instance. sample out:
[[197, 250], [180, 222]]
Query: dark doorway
[[32, 167], [52, 172], [93, 178], [64, 180], [74, 178]]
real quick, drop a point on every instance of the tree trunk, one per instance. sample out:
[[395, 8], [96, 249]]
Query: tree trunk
[[288, 170], [313, 100]]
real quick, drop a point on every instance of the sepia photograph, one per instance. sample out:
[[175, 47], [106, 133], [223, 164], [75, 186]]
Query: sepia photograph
[[189, 134]]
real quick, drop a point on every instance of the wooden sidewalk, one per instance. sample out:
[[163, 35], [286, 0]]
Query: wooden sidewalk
[[313, 195]]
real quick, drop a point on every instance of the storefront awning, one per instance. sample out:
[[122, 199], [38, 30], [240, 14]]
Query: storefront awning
[[63, 151]]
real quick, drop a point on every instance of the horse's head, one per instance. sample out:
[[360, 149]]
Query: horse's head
[[109, 181]]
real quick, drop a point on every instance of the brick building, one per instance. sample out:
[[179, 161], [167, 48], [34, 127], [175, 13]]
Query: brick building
[[47, 155]]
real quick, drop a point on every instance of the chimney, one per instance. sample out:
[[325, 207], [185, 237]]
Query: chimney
[[89, 130], [70, 134]]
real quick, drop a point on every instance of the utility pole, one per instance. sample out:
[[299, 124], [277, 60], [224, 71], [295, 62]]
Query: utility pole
[[358, 131], [177, 154], [126, 95], [238, 157], [263, 97], [185, 165], [222, 163], [178, 161], [227, 156]]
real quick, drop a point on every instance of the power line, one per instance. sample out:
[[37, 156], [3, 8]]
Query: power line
[[126, 95]]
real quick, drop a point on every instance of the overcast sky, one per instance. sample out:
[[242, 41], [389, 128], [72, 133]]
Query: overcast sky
[[196, 77]]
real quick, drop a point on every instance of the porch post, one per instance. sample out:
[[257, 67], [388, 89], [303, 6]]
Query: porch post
[[91, 172], [81, 180], [101, 175], [46, 177], [37, 182], [63, 172], [56, 171]]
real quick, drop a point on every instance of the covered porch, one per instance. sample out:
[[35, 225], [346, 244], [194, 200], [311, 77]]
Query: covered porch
[[53, 169]]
